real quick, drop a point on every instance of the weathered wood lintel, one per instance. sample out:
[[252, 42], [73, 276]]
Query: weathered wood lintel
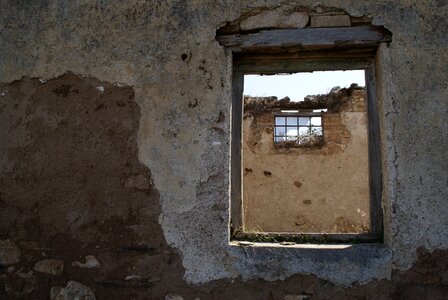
[[236, 146], [307, 38], [300, 65], [304, 61]]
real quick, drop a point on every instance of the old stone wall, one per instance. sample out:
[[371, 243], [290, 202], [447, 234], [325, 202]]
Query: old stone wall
[[114, 154], [320, 188]]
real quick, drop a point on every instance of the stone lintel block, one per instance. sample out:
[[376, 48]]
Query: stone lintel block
[[275, 19], [331, 21]]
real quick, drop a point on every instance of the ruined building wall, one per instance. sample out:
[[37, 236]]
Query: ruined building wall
[[114, 144], [313, 189]]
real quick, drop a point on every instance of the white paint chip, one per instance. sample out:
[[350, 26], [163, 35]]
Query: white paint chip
[[100, 88], [216, 143]]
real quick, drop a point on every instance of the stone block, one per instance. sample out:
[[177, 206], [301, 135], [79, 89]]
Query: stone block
[[275, 19], [331, 21], [50, 266]]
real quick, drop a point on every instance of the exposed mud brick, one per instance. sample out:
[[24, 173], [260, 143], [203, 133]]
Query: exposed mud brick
[[71, 184]]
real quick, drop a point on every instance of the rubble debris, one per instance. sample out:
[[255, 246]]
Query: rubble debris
[[50, 266], [91, 262], [73, 290], [9, 253], [19, 284], [332, 101], [173, 297]]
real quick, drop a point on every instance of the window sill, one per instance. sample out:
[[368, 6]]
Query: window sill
[[343, 264], [304, 246], [306, 238]]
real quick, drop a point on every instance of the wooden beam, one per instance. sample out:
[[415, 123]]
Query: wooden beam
[[307, 38], [347, 53], [236, 200], [375, 174], [300, 65]]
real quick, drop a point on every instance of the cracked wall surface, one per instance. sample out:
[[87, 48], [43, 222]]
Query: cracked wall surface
[[165, 55]]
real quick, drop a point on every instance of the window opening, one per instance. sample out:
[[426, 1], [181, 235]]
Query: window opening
[[320, 185], [307, 50], [298, 129]]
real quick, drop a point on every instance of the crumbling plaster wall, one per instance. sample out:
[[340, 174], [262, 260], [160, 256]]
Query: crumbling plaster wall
[[181, 77]]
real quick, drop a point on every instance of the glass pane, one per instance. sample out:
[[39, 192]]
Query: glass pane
[[304, 121], [280, 139], [279, 120], [316, 130], [304, 131], [316, 121], [280, 131], [291, 121], [292, 131]]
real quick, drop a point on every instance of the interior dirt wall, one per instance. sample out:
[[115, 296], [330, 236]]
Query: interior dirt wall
[[324, 188], [141, 182]]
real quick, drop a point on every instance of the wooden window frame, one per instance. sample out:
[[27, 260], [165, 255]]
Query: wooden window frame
[[306, 50]]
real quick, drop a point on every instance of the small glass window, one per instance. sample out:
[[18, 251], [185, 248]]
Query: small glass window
[[298, 129]]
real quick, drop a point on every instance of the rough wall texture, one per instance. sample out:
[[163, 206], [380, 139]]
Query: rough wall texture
[[322, 188], [181, 80]]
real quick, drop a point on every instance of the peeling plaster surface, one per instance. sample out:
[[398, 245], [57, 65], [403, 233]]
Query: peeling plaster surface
[[181, 77]]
